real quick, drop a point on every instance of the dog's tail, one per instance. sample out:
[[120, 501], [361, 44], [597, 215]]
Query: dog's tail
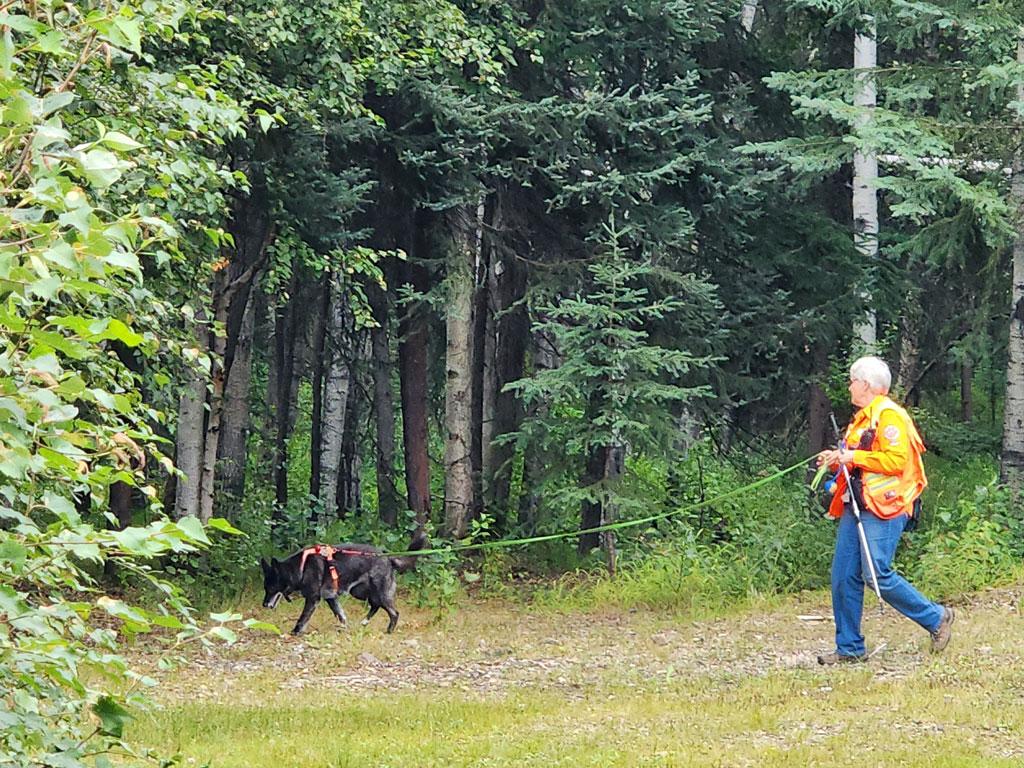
[[408, 562]]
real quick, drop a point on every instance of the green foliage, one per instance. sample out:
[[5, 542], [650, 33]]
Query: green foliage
[[957, 562], [971, 534], [614, 387], [758, 544], [78, 233], [944, 132]]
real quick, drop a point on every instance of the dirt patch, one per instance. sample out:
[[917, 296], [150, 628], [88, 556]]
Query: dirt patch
[[489, 648]]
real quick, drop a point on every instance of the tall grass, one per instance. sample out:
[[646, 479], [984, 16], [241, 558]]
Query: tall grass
[[776, 540]]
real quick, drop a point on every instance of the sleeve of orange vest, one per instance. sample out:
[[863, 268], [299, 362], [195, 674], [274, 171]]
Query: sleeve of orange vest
[[892, 446]]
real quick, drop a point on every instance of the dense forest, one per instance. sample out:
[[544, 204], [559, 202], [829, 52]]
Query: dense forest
[[277, 272]]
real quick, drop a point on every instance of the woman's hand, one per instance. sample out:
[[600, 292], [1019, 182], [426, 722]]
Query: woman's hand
[[835, 456]]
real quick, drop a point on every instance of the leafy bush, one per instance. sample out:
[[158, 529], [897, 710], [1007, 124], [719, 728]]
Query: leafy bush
[[954, 563], [759, 543], [75, 220]]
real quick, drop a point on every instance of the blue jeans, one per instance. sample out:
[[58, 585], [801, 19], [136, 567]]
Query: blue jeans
[[850, 574]]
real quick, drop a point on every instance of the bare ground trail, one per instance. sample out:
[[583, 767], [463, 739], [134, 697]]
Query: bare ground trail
[[489, 650]]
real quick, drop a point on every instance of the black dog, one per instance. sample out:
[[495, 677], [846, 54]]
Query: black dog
[[327, 572]]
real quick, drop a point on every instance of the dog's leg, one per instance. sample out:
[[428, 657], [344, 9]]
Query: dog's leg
[[307, 612], [393, 618], [358, 582], [373, 610], [338, 611]]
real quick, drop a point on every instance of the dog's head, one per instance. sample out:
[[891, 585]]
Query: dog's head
[[275, 585]]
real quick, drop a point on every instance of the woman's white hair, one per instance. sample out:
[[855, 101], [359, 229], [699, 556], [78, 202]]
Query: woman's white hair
[[874, 371]]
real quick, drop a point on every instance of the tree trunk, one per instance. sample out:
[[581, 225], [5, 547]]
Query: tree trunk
[[819, 433], [483, 366], [487, 370], [217, 348], [234, 308], [865, 170], [350, 498], [284, 359], [461, 260], [336, 387], [234, 430], [591, 514], [545, 356], [414, 327], [1012, 456], [507, 333], [615, 457], [121, 504], [910, 348], [317, 381], [191, 430], [383, 408], [747, 15], [966, 394]]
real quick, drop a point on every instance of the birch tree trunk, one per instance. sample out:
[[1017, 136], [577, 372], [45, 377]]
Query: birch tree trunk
[[747, 15], [336, 387], [489, 383], [461, 260], [1012, 455], [215, 399], [191, 429], [865, 171]]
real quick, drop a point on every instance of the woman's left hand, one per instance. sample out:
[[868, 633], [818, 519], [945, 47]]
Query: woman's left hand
[[835, 456]]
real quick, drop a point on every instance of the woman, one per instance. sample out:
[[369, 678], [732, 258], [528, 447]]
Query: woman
[[882, 451]]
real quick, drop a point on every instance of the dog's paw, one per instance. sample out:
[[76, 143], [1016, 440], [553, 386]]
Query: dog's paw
[[364, 622]]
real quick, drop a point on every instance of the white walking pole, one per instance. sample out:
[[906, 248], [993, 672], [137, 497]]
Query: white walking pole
[[860, 526]]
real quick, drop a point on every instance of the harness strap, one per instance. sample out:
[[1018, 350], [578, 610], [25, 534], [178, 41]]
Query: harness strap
[[327, 553]]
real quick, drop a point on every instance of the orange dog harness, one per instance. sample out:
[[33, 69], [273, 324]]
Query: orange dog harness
[[325, 551]]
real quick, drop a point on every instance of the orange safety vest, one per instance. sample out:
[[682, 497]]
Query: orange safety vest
[[886, 495]]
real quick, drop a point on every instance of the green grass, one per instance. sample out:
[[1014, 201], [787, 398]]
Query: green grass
[[502, 684], [779, 720]]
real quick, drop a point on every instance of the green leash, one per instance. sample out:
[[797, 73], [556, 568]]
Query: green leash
[[608, 527]]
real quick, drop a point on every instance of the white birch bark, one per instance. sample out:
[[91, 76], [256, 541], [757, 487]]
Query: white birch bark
[[1012, 456], [336, 386], [747, 16], [190, 434], [865, 170], [461, 262]]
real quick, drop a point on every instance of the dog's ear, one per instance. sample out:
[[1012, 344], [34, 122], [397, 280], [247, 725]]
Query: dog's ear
[[264, 566]]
